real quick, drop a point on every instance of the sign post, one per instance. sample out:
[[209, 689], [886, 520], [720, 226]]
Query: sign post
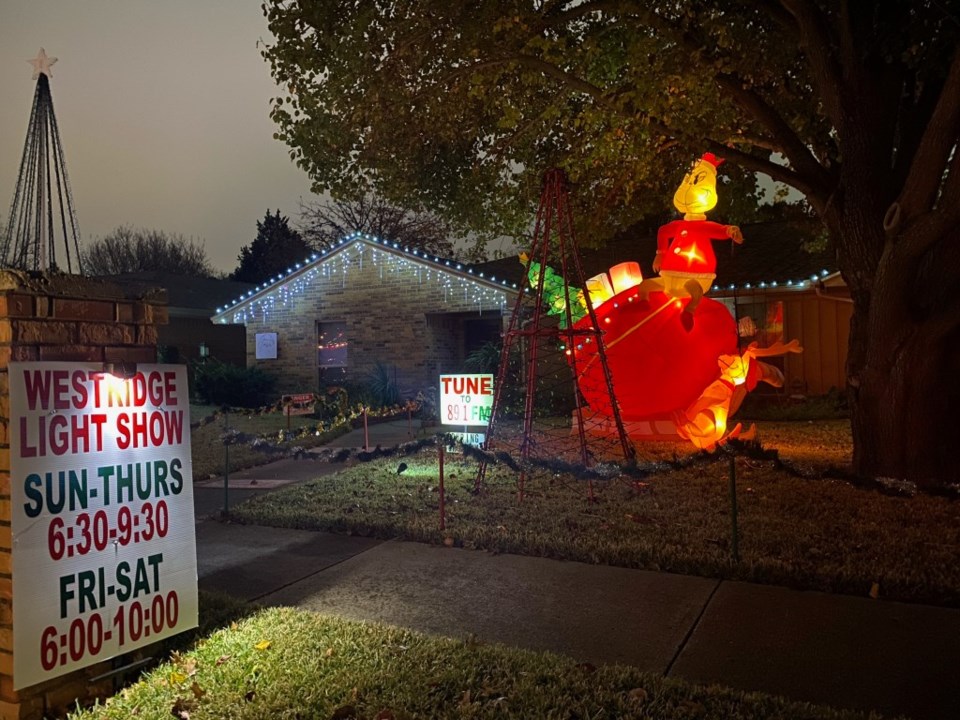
[[104, 549], [466, 400], [298, 404]]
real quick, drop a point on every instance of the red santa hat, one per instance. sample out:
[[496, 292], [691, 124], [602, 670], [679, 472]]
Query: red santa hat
[[712, 159]]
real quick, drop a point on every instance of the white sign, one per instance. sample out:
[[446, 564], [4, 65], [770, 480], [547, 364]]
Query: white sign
[[466, 399], [475, 439], [104, 549], [266, 346]]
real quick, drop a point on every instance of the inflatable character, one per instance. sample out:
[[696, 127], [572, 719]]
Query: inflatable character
[[704, 423], [557, 295], [685, 257]]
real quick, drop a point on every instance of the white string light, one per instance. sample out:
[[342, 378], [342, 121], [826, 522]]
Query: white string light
[[346, 257]]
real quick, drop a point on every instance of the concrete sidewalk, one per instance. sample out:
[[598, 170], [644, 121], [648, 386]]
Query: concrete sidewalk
[[843, 651]]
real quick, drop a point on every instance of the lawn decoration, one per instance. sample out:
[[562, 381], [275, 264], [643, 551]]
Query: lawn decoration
[[685, 258], [538, 379], [674, 378]]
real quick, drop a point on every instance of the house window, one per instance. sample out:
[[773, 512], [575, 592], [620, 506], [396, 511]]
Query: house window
[[332, 344]]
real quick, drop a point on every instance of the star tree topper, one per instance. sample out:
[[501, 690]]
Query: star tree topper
[[41, 64]]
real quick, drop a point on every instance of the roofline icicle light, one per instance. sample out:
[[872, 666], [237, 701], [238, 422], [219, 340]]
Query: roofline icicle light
[[486, 293]]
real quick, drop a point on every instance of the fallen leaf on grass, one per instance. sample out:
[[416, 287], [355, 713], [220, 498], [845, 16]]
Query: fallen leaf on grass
[[181, 708], [638, 695], [190, 667], [222, 659], [329, 652], [177, 677], [263, 645], [198, 692], [448, 541]]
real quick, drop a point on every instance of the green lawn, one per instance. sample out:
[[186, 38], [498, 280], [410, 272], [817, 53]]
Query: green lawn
[[285, 663], [821, 534]]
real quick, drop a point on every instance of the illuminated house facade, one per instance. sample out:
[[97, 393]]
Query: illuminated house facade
[[369, 307]]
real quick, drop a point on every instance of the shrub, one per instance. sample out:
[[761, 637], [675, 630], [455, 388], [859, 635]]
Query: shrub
[[382, 386], [485, 359], [218, 383]]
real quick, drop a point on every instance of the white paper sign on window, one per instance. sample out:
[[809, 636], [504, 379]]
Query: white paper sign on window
[[266, 346]]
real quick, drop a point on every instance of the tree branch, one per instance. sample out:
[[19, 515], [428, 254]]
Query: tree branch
[[816, 195], [825, 71], [571, 81], [925, 177], [793, 147], [932, 224]]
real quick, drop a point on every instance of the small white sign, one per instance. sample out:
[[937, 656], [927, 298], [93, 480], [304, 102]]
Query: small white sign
[[466, 399], [468, 438], [104, 547], [266, 346]]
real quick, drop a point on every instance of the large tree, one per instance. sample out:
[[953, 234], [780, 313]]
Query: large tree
[[326, 221], [276, 248], [460, 106], [128, 250]]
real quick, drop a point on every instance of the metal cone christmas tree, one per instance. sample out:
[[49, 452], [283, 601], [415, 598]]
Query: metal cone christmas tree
[[539, 417], [42, 213]]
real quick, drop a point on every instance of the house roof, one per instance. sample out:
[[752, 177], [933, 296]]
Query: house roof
[[311, 266], [770, 256], [189, 295]]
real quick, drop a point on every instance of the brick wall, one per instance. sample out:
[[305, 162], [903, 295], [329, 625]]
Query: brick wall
[[400, 317], [66, 318]]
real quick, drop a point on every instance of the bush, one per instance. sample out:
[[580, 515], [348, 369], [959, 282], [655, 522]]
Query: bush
[[382, 386], [218, 383], [485, 359]]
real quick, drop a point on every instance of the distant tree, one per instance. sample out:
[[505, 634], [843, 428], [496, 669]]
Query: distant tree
[[128, 250], [325, 222], [275, 249]]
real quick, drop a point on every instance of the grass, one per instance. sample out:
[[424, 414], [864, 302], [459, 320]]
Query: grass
[[248, 663], [286, 663], [817, 534]]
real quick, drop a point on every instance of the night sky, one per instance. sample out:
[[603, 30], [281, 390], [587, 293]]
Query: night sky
[[163, 109]]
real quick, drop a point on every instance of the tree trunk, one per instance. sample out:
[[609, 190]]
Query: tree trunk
[[903, 371], [904, 411]]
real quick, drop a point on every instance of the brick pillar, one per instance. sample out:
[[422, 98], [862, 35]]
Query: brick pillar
[[66, 318]]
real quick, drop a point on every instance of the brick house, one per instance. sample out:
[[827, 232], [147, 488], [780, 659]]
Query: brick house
[[368, 305]]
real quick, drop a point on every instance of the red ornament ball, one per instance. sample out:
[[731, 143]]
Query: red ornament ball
[[658, 365]]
